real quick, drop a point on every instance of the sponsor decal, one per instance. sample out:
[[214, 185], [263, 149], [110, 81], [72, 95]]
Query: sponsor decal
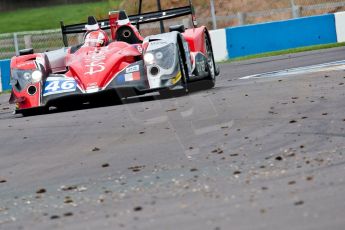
[[159, 42], [93, 84], [95, 63], [176, 78], [58, 85], [26, 64], [135, 76], [92, 89], [140, 49], [132, 69], [127, 77]]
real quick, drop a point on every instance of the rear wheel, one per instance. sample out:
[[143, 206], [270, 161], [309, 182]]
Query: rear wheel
[[210, 62]]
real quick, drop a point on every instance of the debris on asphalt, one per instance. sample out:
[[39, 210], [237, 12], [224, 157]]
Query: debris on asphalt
[[76, 188], [309, 178], [279, 158], [237, 172], [137, 168], [69, 188], [67, 214], [68, 200], [41, 191], [54, 217], [218, 151], [297, 203], [105, 165], [137, 209]]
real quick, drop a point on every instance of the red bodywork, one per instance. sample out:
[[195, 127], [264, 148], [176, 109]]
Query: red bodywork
[[196, 39], [93, 69], [98, 66]]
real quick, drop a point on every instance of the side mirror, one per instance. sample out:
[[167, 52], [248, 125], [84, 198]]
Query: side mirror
[[178, 28], [26, 51]]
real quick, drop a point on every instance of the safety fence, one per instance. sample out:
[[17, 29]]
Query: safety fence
[[11, 43], [225, 13]]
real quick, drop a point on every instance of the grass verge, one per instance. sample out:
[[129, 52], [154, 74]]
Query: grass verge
[[288, 51], [5, 92], [49, 17]]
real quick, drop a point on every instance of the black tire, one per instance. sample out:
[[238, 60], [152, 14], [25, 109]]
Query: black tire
[[183, 68], [27, 113], [211, 65], [33, 111]]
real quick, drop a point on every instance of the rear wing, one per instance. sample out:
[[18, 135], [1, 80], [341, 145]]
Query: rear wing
[[137, 20]]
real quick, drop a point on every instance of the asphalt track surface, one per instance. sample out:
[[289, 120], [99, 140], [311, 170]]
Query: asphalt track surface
[[249, 154]]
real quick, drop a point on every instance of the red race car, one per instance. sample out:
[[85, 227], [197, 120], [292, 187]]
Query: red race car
[[126, 63]]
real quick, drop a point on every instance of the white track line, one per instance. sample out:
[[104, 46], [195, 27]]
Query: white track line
[[331, 66]]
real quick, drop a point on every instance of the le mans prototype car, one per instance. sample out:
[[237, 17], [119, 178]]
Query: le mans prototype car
[[163, 62]]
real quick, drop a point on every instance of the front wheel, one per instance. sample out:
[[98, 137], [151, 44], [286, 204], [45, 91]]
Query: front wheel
[[181, 88], [183, 69], [33, 111]]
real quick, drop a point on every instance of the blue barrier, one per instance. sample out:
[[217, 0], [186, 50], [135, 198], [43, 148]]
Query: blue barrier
[[5, 74], [273, 36]]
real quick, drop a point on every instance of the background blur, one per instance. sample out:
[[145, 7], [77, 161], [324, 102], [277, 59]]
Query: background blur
[[42, 17]]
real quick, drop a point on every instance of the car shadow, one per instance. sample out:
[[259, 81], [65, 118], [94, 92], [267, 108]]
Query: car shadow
[[113, 99]]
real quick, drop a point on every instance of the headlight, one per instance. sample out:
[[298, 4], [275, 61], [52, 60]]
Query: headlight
[[159, 55], [28, 75], [163, 56], [149, 58], [21, 78], [36, 76]]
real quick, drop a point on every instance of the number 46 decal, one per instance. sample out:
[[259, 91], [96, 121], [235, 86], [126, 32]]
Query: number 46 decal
[[58, 85]]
